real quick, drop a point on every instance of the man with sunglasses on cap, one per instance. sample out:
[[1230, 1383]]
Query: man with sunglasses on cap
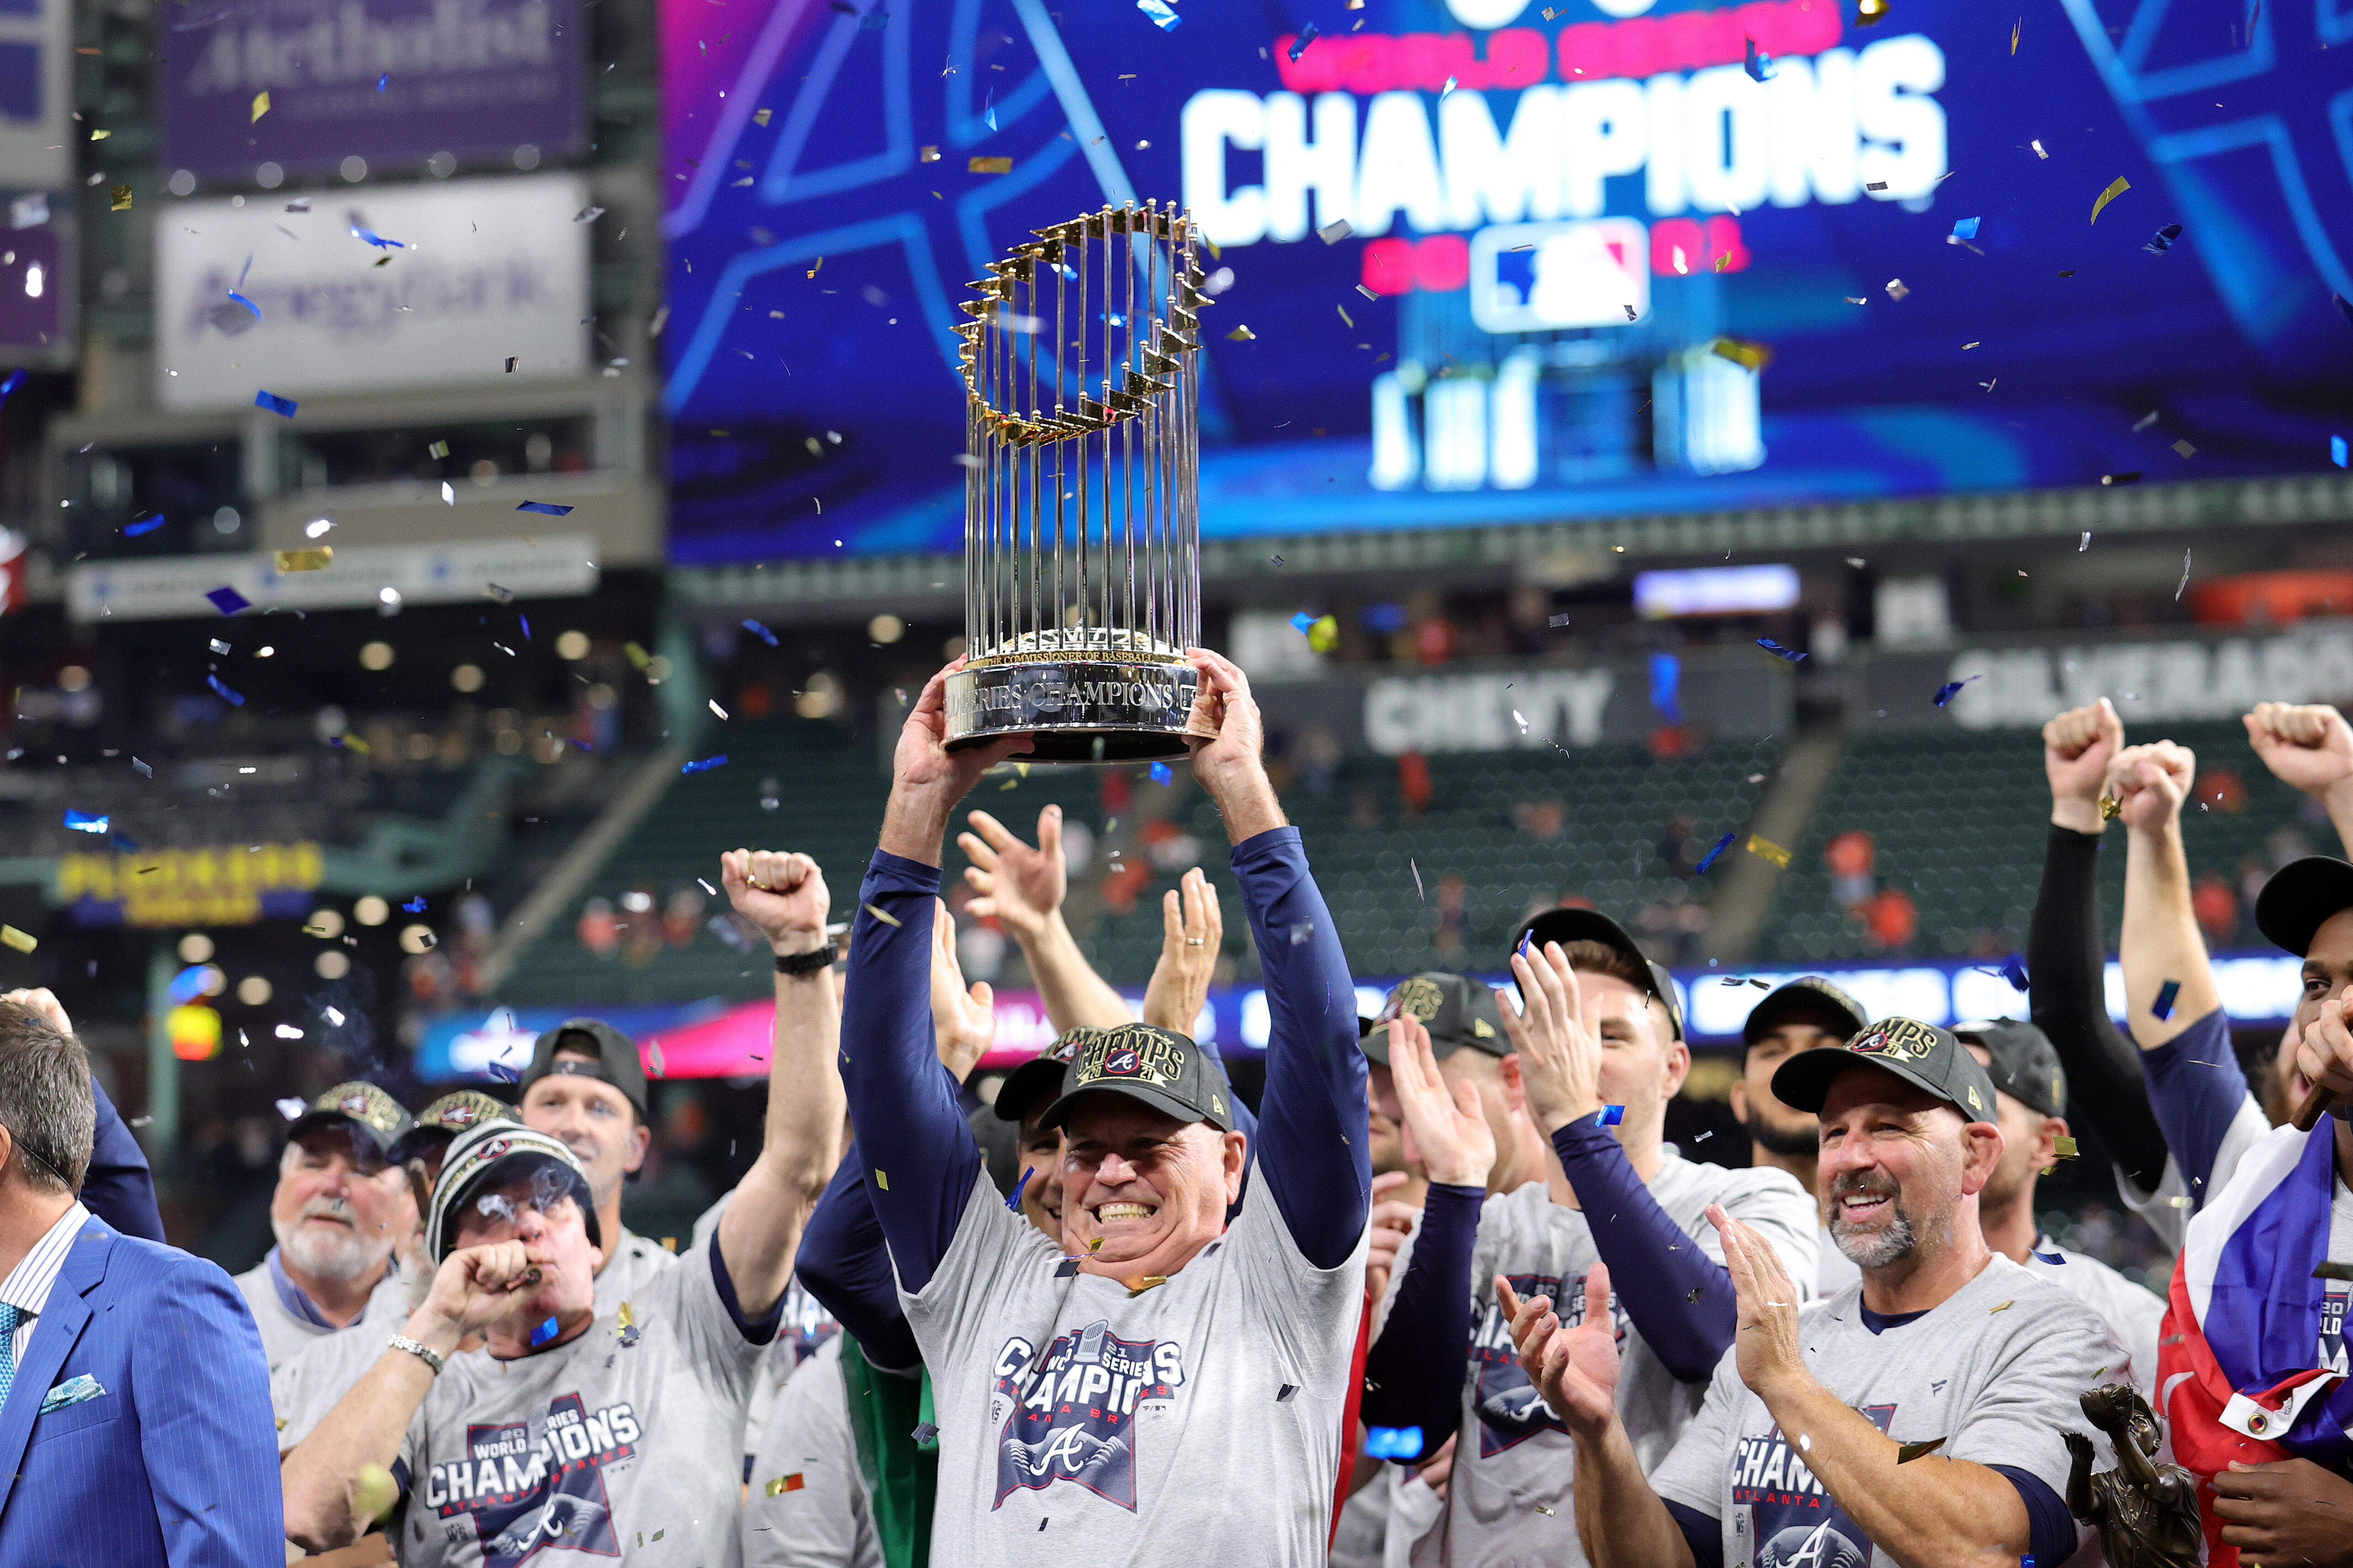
[[1162, 1386], [603, 1433], [1801, 1014], [1944, 1346], [339, 1210], [1598, 1045], [586, 1085]]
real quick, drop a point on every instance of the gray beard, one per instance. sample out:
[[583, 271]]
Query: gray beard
[[324, 1259], [1877, 1250]]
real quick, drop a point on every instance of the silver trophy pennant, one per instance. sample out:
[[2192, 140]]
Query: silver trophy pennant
[[1082, 521]]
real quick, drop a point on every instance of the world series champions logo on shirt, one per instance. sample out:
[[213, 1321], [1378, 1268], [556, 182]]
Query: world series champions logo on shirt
[[536, 1485], [1071, 1413], [1510, 1409], [1793, 1522]]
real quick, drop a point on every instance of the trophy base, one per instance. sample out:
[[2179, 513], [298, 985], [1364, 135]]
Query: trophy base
[[1077, 710]]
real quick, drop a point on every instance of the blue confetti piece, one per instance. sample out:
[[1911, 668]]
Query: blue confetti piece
[[542, 1334], [549, 507], [1759, 65], [377, 239], [2014, 971], [275, 403], [384, 81], [988, 110], [1966, 228], [2337, 452], [1945, 693], [502, 1072], [1161, 773], [2166, 995], [1162, 17], [1392, 1442], [2054, 1259], [231, 697], [706, 765], [144, 525], [83, 822], [1014, 1203], [1300, 622], [1609, 1116], [1710, 859], [1777, 651], [763, 632], [189, 983], [414, 905], [1526, 938], [2162, 240], [246, 303], [16, 379], [228, 601], [1666, 681], [1299, 45]]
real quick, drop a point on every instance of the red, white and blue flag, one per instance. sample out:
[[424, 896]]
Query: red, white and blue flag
[[2245, 1369]]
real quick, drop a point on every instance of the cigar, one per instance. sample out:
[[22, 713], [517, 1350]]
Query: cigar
[[2317, 1101]]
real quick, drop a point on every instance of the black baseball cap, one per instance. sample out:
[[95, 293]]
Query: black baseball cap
[[1037, 1080], [617, 1062], [2025, 1063], [376, 1121], [1809, 994], [1565, 926], [1922, 1055], [2299, 898], [1459, 1012], [1156, 1067]]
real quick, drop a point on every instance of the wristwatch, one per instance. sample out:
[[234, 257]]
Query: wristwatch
[[810, 962], [403, 1342]]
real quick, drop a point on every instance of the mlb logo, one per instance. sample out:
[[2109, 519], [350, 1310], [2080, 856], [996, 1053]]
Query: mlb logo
[[1537, 276], [1121, 1061], [491, 1151], [352, 1105], [459, 1116]]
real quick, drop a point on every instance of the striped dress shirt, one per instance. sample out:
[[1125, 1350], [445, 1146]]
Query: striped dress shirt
[[27, 1289]]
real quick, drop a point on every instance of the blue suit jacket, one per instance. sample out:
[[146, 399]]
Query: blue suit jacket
[[177, 1461]]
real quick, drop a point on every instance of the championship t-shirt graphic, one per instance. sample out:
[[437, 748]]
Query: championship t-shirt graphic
[[1511, 1411], [1794, 1522], [528, 1487], [1073, 1411]]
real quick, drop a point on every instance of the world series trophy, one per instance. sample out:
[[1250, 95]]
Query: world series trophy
[[1081, 523]]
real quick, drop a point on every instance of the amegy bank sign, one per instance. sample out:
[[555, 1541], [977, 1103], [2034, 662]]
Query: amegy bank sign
[[2183, 678]]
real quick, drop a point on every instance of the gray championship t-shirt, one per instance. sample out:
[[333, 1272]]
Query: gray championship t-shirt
[[1835, 1271], [1995, 1370], [313, 1381], [624, 1442], [2133, 1313], [284, 1333], [1513, 1458], [1155, 1428], [807, 1506]]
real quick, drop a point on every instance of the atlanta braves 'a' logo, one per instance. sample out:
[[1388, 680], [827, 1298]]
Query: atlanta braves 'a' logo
[[1510, 1409], [1072, 1415], [1797, 1522]]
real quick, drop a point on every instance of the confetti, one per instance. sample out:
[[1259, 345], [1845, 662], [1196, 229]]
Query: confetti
[[2328, 1269], [2131, 476], [1299, 45], [16, 379], [1241, 335], [1014, 1201], [1139, 1287], [2064, 1148], [83, 822], [246, 303], [1564, 620], [705, 765], [314, 560], [1759, 65], [2014, 29], [2166, 995], [888, 919], [1666, 679], [2337, 453], [2005, 1307], [228, 601], [777, 1486], [1393, 1443], [2039, 153], [1895, 288], [1693, 1294], [1869, 13], [2116, 187], [377, 240], [548, 508], [980, 165], [1609, 1116], [1911, 1451], [260, 106], [1741, 352], [1283, 1395], [926, 1434], [144, 769], [2180, 1202], [2085, 544], [2185, 448], [275, 403], [511, 364], [760, 118], [588, 214], [763, 632], [638, 656], [1067, 1269], [1776, 650], [290, 1108], [2178, 587], [2014, 971], [1714, 852], [1964, 229], [1162, 17], [1765, 849], [20, 941], [1415, 867], [2162, 240], [1945, 693], [144, 526]]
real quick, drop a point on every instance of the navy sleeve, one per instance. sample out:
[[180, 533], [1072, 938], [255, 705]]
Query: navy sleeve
[[2196, 1086], [119, 1188], [899, 1098], [1679, 1297], [2067, 962], [755, 1330], [2051, 1529], [1413, 1373], [1704, 1533], [845, 1263], [1314, 1145]]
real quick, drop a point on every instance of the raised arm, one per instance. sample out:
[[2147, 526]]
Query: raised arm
[[2162, 946], [2066, 957], [1192, 933], [1313, 1143], [1023, 888], [2310, 746], [786, 896]]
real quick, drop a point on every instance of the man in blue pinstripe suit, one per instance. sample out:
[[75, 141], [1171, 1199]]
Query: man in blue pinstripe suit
[[134, 1403]]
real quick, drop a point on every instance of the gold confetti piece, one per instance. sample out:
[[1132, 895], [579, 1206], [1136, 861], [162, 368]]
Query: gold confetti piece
[[2180, 1202], [439, 450], [2116, 187], [628, 1318], [1722, 262], [314, 560], [883, 1179], [99, 135], [281, 1424], [122, 194], [1344, 314], [356, 744], [1911, 1451], [1869, 12], [1743, 353], [885, 916], [760, 118], [21, 941], [1242, 335], [2015, 27], [1768, 850], [979, 165], [2065, 1148], [2003, 1307], [1139, 1287], [779, 1485], [638, 656], [928, 154], [260, 105], [1095, 1245], [1546, 1511], [670, 1243]]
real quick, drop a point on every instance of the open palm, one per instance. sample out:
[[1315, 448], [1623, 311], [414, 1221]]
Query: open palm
[[1576, 1369]]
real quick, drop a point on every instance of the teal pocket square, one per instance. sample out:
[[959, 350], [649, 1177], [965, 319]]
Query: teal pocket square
[[73, 1391]]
